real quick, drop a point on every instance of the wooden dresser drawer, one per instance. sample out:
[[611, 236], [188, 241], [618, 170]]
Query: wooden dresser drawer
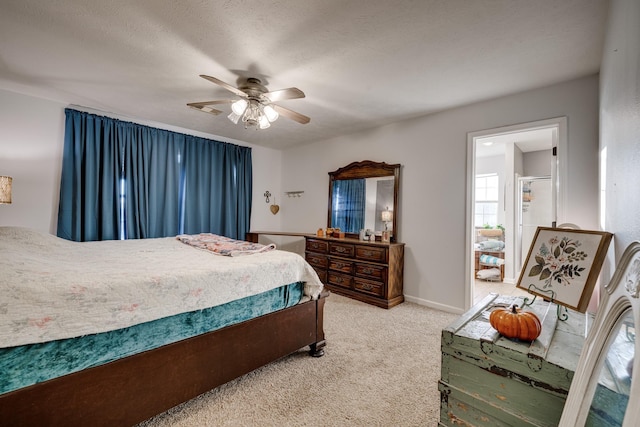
[[322, 274], [368, 271], [342, 249], [372, 271], [368, 286], [339, 279], [340, 265], [320, 261], [320, 246], [371, 253]]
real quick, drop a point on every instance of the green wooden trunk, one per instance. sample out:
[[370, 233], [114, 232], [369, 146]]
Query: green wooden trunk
[[490, 380]]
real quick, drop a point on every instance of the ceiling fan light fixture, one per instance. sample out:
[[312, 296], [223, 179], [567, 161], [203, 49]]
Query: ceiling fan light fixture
[[234, 117], [255, 107], [264, 122], [271, 114], [252, 114], [239, 107]]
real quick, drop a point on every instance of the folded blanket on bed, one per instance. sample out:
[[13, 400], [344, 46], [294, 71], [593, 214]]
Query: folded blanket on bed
[[221, 245]]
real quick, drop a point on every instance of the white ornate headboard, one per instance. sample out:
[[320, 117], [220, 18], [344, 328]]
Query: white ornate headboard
[[604, 382]]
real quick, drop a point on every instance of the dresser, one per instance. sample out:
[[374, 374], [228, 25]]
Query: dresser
[[371, 272]]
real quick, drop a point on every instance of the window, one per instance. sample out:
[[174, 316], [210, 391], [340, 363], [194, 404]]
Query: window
[[122, 180], [486, 209]]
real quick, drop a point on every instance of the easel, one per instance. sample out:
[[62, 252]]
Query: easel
[[561, 311]]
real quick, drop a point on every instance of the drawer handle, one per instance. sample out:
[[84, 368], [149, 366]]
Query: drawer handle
[[341, 249], [368, 253], [315, 245], [367, 287], [367, 271], [339, 279]]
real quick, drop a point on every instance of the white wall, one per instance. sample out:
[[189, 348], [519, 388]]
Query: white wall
[[620, 123], [432, 150], [31, 142], [537, 163], [514, 166], [31, 132]]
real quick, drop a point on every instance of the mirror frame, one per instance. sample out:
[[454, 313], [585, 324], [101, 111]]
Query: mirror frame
[[621, 294], [368, 169]]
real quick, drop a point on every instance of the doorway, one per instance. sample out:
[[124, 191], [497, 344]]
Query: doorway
[[522, 156]]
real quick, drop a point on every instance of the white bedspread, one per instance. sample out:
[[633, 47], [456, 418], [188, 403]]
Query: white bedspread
[[51, 288]]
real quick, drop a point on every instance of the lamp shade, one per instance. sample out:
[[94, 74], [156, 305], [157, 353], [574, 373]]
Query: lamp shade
[[272, 115], [239, 106], [387, 216], [5, 189]]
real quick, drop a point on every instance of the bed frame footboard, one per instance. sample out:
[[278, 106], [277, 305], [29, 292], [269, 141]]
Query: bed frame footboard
[[133, 389]]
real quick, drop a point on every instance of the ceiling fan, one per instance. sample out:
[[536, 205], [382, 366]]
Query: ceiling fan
[[256, 105]]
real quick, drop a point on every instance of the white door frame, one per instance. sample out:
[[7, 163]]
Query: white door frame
[[560, 165]]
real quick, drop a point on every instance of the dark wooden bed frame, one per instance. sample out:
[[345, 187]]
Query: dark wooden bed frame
[[135, 388]]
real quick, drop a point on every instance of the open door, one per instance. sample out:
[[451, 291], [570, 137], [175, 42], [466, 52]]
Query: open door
[[535, 209]]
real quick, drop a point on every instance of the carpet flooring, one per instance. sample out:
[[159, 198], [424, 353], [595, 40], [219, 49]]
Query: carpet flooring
[[381, 368]]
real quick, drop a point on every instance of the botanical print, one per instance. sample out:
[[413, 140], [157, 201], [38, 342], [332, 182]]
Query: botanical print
[[563, 265], [558, 262]]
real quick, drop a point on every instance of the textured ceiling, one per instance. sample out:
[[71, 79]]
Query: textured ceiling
[[361, 63]]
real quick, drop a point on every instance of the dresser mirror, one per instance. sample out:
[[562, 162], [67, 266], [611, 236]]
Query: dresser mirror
[[364, 196]]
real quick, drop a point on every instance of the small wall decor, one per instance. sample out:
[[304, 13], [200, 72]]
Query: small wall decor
[[5, 189], [564, 264], [267, 195], [294, 193]]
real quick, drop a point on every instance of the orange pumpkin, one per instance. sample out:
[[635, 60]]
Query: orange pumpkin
[[512, 322]]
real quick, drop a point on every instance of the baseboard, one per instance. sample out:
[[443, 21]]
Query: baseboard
[[434, 305]]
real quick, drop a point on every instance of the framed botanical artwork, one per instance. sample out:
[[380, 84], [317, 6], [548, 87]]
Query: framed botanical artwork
[[564, 264]]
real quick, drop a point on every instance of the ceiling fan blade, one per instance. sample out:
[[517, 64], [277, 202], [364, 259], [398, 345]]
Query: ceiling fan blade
[[205, 109], [289, 93], [290, 114], [203, 103], [224, 85]]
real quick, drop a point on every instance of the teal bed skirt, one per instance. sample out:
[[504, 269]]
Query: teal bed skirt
[[30, 364]]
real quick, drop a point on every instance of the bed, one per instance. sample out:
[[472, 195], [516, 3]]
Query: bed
[[115, 332]]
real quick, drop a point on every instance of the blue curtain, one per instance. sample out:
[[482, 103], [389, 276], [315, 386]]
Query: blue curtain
[[349, 204], [124, 180]]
